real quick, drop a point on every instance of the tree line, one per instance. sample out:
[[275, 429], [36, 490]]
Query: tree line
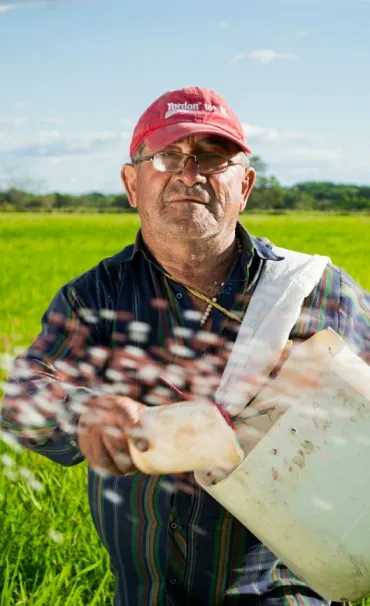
[[268, 195]]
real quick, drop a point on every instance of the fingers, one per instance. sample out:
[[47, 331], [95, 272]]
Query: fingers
[[137, 436], [129, 419], [118, 453], [105, 464], [93, 448], [114, 411], [129, 410], [104, 430]]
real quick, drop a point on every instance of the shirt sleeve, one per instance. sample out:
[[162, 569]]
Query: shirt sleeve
[[47, 383], [354, 316], [340, 303]]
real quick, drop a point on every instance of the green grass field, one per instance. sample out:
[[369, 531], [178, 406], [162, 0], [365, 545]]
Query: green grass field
[[50, 554]]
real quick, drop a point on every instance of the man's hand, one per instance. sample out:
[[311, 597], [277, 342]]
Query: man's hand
[[103, 430]]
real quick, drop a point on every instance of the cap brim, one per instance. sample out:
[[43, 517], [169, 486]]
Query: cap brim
[[161, 137]]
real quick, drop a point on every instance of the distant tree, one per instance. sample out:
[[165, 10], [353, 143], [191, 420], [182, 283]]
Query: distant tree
[[261, 169], [267, 192], [62, 201], [296, 199], [121, 201], [94, 200]]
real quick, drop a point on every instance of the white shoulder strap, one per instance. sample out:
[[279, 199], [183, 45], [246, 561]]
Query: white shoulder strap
[[271, 314]]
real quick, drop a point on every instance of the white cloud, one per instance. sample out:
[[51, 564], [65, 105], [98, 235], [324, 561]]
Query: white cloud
[[11, 120], [300, 34], [309, 154], [273, 135], [264, 56], [52, 120], [7, 7], [294, 164], [223, 25], [288, 146], [127, 122], [48, 134], [19, 4], [6, 137], [320, 164], [53, 143], [296, 155]]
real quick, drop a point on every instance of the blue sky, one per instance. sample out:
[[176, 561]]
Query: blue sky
[[77, 74]]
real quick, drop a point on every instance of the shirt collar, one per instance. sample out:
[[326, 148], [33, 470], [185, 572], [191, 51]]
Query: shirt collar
[[251, 245], [260, 246]]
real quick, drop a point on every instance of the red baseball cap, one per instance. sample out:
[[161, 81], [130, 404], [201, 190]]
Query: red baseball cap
[[189, 111]]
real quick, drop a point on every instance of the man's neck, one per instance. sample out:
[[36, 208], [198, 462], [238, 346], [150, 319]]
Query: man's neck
[[196, 263]]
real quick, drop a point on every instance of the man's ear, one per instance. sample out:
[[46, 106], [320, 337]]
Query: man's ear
[[129, 181], [247, 186]]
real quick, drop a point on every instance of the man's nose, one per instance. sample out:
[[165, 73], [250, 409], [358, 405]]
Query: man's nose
[[190, 173]]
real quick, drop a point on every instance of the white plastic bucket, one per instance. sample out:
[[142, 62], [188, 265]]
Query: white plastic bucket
[[304, 486], [186, 436]]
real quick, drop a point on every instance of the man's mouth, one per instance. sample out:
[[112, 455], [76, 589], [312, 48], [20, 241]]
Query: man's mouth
[[188, 199]]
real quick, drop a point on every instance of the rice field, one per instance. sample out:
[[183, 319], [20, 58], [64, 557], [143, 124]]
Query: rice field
[[50, 554]]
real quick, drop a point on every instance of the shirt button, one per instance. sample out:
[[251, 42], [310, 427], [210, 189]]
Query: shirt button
[[173, 525], [173, 581], [179, 295]]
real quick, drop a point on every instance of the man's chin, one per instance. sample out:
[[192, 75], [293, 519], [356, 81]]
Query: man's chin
[[191, 228], [192, 216]]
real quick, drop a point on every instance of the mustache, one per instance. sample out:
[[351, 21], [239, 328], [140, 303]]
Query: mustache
[[197, 191]]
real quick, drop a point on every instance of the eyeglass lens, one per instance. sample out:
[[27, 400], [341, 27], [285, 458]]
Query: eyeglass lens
[[175, 162]]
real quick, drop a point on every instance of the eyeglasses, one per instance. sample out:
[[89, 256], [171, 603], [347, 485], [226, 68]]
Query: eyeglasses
[[208, 163]]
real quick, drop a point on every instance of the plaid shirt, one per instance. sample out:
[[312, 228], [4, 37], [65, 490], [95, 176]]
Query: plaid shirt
[[169, 542]]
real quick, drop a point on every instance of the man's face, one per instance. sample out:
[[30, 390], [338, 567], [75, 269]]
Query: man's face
[[189, 204]]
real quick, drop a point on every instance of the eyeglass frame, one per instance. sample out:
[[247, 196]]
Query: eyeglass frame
[[187, 156]]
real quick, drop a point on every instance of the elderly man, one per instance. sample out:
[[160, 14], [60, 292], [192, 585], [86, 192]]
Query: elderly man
[[193, 270]]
